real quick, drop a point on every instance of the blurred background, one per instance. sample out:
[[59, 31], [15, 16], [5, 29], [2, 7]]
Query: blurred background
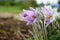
[[15, 6]]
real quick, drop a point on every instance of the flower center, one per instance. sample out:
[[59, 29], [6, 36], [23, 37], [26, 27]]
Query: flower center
[[34, 16], [49, 16]]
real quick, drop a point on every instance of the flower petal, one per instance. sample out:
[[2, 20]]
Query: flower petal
[[30, 16], [48, 15], [46, 11], [29, 19]]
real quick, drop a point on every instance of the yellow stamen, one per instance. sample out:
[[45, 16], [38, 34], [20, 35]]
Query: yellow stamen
[[49, 16]]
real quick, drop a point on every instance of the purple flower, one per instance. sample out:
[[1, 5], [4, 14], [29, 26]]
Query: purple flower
[[30, 16], [48, 16]]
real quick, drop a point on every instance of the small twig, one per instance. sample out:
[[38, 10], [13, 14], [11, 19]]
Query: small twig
[[22, 35], [30, 32]]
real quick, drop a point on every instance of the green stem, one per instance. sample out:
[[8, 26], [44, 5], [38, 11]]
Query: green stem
[[35, 32], [45, 31]]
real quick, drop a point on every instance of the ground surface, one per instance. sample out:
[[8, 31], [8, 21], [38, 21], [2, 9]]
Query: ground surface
[[9, 24]]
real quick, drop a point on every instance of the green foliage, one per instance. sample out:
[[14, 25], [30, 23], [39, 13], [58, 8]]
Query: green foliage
[[22, 4], [10, 9]]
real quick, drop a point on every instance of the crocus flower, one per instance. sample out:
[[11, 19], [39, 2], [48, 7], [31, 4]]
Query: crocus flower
[[30, 16], [48, 16]]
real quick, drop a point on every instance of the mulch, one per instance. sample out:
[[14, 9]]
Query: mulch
[[9, 28]]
